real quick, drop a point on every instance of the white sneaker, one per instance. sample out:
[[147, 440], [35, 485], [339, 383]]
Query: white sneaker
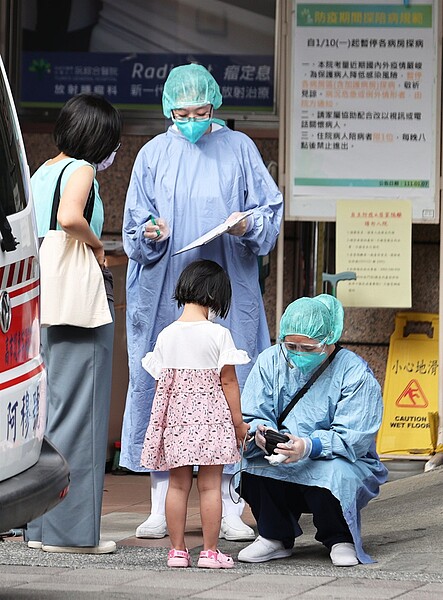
[[102, 548], [262, 550], [344, 555], [235, 530], [153, 528], [35, 545]]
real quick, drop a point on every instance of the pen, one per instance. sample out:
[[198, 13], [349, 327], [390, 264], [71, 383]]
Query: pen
[[153, 221]]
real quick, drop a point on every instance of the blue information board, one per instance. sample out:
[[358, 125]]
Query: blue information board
[[135, 81]]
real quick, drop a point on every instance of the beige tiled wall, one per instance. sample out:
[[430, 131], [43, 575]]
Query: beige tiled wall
[[366, 331]]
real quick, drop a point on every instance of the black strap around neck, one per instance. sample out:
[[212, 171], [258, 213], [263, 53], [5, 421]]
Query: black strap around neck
[[301, 392], [89, 208]]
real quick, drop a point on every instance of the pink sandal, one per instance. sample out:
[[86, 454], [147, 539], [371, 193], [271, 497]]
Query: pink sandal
[[215, 560], [178, 558]]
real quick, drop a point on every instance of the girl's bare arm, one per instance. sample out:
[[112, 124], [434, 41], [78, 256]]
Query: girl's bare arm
[[231, 391]]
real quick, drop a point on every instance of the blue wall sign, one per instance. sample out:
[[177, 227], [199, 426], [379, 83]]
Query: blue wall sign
[[135, 81]]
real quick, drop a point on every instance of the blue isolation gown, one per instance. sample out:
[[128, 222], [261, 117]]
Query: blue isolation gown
[[194, 187], [343, 409]]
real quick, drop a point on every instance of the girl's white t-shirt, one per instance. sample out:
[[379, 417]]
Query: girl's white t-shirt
[[193, 345]]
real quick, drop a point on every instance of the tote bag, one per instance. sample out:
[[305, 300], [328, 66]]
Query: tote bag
[[71, 280]]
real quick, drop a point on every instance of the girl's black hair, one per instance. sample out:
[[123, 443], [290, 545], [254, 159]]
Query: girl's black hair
[[205, 283], [88, 127]]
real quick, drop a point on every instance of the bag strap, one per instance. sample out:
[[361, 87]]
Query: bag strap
[[89, 207], [307, 385]]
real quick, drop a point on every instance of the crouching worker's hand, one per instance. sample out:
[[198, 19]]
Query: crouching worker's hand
[[296, 449], [260, 439]]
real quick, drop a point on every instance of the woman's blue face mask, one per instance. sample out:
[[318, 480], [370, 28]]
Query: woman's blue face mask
[[193, 123], [193, 130], [306, 361], [305, 355]]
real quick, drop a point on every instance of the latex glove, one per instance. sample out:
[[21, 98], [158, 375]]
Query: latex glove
[[157, 231], [296, 449], [277, 459], [260, 440], [242, 227]]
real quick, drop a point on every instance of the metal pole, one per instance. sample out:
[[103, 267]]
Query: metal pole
[[321, 229], [282, 11], [437, 459]]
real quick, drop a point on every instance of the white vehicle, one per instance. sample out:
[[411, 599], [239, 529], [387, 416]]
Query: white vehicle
[[34, 477]]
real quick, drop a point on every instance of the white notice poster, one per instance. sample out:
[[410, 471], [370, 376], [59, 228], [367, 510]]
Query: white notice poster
[[364, 96]]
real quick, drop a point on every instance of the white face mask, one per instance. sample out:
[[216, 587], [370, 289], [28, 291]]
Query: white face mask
[[107, 162], [212, 315]]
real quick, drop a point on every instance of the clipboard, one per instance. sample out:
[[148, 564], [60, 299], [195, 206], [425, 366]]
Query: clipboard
[[213, 234]]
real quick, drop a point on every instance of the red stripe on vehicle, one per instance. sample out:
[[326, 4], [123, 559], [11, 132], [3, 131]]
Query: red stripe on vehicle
[[24, 289], [16, 273], [29, 268], [21, 270], [5, 276], [22, 378], [11, 275]]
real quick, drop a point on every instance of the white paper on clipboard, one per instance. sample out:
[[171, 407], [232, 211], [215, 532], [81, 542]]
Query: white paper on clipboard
[[213, 233]]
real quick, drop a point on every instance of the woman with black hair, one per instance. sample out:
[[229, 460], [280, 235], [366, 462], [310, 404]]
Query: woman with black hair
[[196, 415], [78, 360]]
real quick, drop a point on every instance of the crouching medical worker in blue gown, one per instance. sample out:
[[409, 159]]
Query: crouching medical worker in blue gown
[[184, 183], [330, 466]]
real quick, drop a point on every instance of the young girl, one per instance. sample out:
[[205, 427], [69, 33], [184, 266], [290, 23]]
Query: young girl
[[196, 416]]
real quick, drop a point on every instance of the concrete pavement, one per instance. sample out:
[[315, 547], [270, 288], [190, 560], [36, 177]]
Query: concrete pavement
[[402, 530]]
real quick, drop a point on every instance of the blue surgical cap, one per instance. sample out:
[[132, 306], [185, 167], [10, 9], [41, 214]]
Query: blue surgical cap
[[319, 318], [190, 85]]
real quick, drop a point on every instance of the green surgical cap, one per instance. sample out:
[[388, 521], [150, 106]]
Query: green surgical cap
[[319, 318], [190, 85]]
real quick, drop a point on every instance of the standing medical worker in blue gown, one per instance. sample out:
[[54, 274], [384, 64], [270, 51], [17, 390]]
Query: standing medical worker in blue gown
[[185, 182], [331, 468]]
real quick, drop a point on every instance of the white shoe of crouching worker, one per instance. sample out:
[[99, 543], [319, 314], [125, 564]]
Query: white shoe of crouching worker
[[102, 548], [263, 550], [344, 555], [153, 528], [234, 529]]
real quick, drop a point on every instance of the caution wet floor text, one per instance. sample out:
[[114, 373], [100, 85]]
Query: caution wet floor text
[[410, 395]]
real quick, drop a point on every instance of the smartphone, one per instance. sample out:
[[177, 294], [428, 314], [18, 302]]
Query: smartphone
[[273, 438]]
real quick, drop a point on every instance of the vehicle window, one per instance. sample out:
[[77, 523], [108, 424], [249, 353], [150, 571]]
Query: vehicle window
[[12, 193]]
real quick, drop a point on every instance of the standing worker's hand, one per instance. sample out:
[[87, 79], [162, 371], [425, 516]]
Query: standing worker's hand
[[156, 230], [242, 227]]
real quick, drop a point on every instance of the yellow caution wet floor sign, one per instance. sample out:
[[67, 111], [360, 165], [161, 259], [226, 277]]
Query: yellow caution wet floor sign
[[410, 394]]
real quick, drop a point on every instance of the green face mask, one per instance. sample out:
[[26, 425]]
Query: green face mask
[[193, 130], [306, 361]]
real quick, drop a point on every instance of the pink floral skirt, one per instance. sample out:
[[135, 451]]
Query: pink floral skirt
[[190, 422]]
